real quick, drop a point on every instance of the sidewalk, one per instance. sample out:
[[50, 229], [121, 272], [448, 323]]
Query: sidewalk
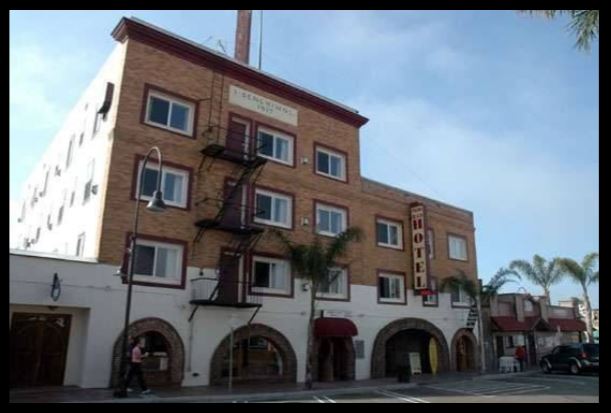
[[240, 392]]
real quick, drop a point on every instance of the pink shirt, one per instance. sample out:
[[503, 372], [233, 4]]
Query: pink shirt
[[136, 355]]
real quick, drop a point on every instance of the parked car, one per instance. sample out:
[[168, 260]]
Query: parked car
[[574, 358]]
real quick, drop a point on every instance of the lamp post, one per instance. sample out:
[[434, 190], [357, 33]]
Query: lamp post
[[156, 204], [233, 322]]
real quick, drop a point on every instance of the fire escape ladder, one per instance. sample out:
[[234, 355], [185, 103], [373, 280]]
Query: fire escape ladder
[[472, 317]]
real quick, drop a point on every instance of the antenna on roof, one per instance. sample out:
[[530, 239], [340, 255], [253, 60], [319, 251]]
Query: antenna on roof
[[219, 43], [260, 39]]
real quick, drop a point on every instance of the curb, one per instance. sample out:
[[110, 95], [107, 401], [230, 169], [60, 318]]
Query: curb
[[252, 396]]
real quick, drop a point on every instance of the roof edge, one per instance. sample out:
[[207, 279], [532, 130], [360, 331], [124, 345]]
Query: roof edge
[[185, 48]]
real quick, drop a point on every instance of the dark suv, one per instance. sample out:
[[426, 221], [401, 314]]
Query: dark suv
[[574, 358]]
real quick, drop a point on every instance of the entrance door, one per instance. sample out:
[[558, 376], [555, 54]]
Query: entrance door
[[233, 217], [333, 359], [229, 277], [237, 138], [39, 343]]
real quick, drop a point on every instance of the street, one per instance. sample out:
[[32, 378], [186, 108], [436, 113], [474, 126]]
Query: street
[[536, 388]]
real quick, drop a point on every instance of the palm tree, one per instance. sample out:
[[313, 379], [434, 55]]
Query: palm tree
[[540, 273], [584, 24], [314, 262], [480, 296], [585, 275]]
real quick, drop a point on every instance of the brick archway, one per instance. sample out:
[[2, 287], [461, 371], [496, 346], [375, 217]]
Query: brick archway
[[281, 343], [468, 335], [176, 349], [378, 354]]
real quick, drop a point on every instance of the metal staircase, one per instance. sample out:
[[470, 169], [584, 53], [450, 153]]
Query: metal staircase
[[472, 317]]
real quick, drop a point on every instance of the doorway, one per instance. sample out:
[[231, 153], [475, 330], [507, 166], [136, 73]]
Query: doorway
[[334, 358], [38, 348]]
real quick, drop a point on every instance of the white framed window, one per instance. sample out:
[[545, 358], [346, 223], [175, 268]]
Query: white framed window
[[169, 112], [271, 275], [528, 306], [273, 208], [80, 245], [174, 184], [45, 185], [460, 297], [389, 234], [330, 163], [391, 288], [89, 182], [158, 261], [336, 285], [274, 145], [457, 247], [330, 220]]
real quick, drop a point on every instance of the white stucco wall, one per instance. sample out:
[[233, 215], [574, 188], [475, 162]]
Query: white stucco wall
[[96, 299], [80, 217]]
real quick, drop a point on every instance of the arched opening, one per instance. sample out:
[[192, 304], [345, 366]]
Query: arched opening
[[260, 354], [395, 342], [255, 358], [165, 364], [464, 351]]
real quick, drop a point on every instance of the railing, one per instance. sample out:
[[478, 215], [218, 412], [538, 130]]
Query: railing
[[212, 291]]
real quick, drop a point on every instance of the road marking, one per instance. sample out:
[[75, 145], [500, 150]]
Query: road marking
[[317, 399], [400, 396], [329, 399], [405, 395], [524, 391], [515, 388], [571, 381]]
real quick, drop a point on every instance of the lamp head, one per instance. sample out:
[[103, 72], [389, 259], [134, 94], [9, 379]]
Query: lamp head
[[156, 203]]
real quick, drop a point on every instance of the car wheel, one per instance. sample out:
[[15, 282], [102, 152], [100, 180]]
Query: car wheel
[[545, 368], [574, 368]]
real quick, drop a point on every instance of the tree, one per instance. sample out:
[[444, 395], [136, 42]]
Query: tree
[[585, 275], [540, 272], [480, 296], [584, 24], [313, 262]]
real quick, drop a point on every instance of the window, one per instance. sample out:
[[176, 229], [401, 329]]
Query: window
[[389, 234], [44, 188], [80, 245], [330, 220], [49, 223], [336, 284], [330, 163], [391, 288], [80, 138], [161, 262], [271, 275], [528, 306], [275, 146], [457, 247], [97, 122], [60, 215], [69, 155], [431, 300], [174, 184], [510, 343], [273, 209], [169, 113], [460, 297], [89, 182], [430, 241]]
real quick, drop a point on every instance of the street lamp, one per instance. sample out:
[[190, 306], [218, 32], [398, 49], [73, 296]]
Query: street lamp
[[156, 204]]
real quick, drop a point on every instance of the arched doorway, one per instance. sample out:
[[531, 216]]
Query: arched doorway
[[464, 351], [394, 342], [165, 364], [260, 354]]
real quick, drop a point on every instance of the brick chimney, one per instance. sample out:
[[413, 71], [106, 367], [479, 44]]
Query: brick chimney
[[242, 36]]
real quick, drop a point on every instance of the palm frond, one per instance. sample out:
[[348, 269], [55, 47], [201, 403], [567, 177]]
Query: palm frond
[[571, 268], [339, 245], [584, 25], [525, 269], [589, 262]]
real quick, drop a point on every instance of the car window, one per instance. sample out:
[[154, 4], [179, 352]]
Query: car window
[[591, 349], [556, 351]]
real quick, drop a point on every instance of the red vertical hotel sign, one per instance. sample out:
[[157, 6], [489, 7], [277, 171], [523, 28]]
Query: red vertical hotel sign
[[419, 247]]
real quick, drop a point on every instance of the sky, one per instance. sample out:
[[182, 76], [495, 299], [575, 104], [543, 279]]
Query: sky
[[492, 111]]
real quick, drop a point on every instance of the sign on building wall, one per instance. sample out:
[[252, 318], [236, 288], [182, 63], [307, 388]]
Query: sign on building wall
[[419, 247], [256, 103]]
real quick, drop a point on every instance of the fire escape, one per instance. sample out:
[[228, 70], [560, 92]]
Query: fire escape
[[228, 210]]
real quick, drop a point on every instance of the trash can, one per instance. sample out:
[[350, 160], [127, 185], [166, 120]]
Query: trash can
[[404, 373]]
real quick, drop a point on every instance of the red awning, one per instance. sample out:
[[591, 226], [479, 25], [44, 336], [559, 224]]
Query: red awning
[[567, 324], [506, 323], [334, 327]]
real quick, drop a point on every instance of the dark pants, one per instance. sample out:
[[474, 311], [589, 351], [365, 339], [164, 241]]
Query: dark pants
[[135, 369], [521, 364]]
